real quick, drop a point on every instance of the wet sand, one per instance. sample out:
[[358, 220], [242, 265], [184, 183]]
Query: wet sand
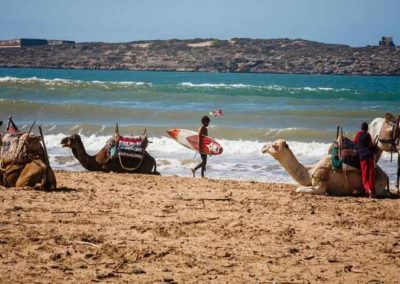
[[120, 228]]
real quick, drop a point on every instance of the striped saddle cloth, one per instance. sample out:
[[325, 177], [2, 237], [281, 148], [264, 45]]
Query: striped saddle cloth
[[132, 146]]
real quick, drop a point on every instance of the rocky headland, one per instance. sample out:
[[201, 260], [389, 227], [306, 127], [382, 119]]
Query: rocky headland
[[211, 55]]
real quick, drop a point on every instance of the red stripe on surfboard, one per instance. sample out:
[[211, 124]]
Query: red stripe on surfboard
[[173, 133], [208, 142]]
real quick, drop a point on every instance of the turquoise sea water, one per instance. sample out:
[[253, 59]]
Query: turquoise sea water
[[303, 109]]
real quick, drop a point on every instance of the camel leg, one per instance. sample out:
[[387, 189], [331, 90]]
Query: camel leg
[[149, 165], [154, 172], [305, 189], [382, 189], [51, 183], [310, 190], [398, 171], [318, 187], [33, 173], [11, 175]]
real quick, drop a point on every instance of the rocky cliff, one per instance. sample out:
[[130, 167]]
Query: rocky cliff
[[236, 55]]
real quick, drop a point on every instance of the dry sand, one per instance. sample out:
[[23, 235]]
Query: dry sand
[[120, 228]]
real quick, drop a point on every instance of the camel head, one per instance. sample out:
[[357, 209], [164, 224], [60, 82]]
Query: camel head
[[275, 149], [71, 141]]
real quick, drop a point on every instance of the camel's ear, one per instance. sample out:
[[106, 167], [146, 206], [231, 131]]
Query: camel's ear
[[275, 146], [389, 117], [285, 145]]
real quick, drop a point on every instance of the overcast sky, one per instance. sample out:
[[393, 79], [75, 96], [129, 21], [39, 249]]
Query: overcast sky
[[352, 22]]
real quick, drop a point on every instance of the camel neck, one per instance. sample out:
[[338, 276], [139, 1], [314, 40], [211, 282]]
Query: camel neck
[[295, 169], [87, 161]]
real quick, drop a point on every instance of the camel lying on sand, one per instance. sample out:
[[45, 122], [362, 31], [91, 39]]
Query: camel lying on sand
[[101, 162], [34, 174], [32, 171], [321, 178]]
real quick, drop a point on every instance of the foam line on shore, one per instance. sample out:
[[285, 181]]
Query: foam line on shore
[[58, 82]]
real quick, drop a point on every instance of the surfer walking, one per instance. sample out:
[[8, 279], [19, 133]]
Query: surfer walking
[[203, 132]]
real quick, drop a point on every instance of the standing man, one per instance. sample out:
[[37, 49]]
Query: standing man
[[203, 131], [366, 154]]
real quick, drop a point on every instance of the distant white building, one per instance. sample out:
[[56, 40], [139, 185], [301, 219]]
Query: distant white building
[[59, 42]]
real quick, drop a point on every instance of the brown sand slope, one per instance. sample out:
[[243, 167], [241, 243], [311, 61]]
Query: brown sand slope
[[116, 228]]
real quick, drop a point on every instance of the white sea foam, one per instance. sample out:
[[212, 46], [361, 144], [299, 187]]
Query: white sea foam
[[273, 87], [126, 84], [222, 85], [67, 82], [211, 85], [241, 159]]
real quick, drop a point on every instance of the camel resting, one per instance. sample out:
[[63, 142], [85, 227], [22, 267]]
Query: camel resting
[[24, 163], [102, 162], [322, 178], [35, 174]]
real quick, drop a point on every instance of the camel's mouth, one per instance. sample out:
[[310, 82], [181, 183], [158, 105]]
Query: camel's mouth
[[265, 148], [65, 142]]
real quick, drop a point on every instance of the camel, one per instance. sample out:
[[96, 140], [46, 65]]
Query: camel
[[321, 178], [101, 162], [35, 172], [384, 143], [385, 132]]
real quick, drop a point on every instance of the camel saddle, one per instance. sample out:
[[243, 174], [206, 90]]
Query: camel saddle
[[132, 146], [18, 148], [344, 154], [127, 146]]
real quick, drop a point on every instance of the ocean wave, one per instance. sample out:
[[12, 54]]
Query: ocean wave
[[241, 159], [261, 87], [166, 145], [213, 85], [69, 83], [32, 81], [94, 142]]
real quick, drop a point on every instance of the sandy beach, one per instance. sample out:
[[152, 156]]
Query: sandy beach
[[121, 228]]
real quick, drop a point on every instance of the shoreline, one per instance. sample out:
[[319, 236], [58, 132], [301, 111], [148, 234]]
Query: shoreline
[[136, 228]]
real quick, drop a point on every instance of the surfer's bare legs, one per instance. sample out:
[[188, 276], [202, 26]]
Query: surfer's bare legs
[[202, 165]]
